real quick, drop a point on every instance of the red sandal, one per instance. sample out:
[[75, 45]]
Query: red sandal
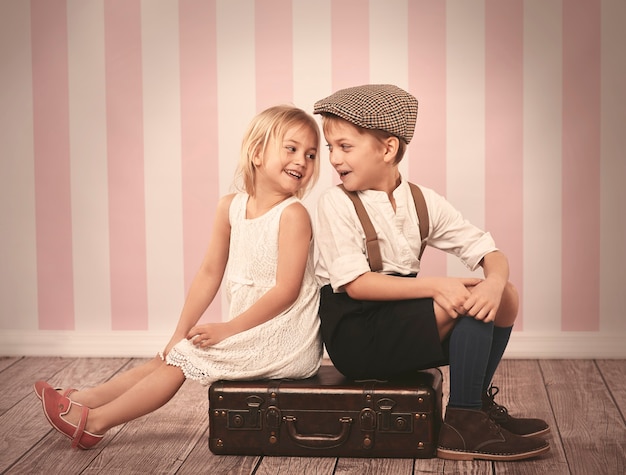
[[41, 385], [55, 406]]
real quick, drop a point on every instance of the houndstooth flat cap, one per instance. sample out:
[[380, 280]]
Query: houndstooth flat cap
[[374, 106]]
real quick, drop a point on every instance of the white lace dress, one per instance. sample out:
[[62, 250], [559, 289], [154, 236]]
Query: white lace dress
[[287, 346]]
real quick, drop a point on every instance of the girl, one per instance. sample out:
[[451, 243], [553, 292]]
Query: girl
[[264, 234], [384, 324]]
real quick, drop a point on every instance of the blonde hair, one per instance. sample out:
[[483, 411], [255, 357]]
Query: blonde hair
[[331, 120], [273, 123]]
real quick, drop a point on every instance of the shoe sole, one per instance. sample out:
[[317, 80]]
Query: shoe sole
[[536, 434], [449, 454]]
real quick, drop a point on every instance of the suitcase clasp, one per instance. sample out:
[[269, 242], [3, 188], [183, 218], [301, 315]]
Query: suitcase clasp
[[254, 403], [367, 419], [390, 421], [246, 419], [273, 417], [386, 406]]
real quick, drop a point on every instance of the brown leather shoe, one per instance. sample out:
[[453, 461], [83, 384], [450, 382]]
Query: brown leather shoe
[[516, 425], [469, 434]]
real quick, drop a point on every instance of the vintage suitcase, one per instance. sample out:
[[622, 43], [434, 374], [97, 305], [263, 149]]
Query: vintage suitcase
[[326, 416]]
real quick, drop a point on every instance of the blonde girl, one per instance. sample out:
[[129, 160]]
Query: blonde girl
[[261, 246]]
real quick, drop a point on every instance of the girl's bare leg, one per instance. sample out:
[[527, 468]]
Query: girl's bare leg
[[148, 394], [116, 386]]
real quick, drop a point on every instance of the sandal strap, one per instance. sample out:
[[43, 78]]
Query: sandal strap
[[80, 429]]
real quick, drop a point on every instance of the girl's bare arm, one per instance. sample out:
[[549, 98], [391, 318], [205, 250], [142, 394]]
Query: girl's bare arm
[[294, 239], [208, 279]]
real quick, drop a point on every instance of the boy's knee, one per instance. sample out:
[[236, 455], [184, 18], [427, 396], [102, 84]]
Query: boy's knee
[[509, 305], [511, 294]]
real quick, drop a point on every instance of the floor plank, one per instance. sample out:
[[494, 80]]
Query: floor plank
[[614, 375], [6, 361], [308, 465], [28, 444], [590, 425], [583, 400], [522, 391], [202, 460], [17, 379], [374, 466]]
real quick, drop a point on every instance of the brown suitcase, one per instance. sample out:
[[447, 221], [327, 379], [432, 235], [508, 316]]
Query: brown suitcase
[[327, 416]]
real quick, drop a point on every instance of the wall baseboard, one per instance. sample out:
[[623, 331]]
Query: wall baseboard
[[523, 345]]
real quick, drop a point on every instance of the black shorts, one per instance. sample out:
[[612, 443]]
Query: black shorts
[[380, 339]]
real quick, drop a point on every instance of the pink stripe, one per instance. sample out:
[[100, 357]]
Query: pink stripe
[[52, 165], [350, 39], [427, 81], [504, 130], [122, 31], [198, 96], [274, 52], [581, 165]]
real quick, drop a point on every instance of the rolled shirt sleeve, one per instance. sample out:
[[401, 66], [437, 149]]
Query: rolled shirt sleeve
[[340, 240], [452, 233]]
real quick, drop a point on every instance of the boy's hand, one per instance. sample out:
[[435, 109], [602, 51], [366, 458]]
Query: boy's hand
[[484, 301], [452, 293], [209, 334]]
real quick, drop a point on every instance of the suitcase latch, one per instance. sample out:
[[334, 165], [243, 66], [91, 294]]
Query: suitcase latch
[[249, 419], [390, 421], [367, 419]]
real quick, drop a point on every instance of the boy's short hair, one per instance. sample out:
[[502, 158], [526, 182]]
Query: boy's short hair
[[273, 123], [374, 106], [331, 120]]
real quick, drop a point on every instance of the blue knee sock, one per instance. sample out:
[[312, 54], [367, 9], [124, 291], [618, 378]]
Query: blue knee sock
[[501, 337], [470, 346]]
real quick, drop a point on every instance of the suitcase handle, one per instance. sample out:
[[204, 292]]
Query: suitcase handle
[[318, 441]]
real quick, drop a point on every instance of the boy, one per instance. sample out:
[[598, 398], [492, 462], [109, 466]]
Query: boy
[[384, 324]]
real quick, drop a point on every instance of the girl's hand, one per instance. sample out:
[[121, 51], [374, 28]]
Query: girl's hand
[[209, 334], [484, 301], [175, 339], [452, 293]]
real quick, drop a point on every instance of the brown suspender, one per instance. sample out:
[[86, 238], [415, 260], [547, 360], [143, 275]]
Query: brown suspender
[[371, 239]]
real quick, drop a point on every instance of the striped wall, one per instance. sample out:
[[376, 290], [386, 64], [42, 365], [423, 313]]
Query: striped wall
[[121, 120]]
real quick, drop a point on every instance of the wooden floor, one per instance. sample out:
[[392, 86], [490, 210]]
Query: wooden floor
[[583, 400]]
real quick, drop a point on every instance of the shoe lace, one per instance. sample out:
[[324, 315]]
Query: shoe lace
[[497, 412]]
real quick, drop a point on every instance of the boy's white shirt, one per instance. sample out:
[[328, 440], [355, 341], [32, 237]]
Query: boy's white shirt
[[340, 240]]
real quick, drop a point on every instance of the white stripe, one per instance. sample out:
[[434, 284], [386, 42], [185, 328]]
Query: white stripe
[[162, 146], [236, 82], [389, 36], [542, 165], [465, 134], [18, 277], [613, 168], [88, 158], [312, 75]]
